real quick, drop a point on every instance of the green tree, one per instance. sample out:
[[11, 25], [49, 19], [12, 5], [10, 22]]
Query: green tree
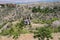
[[34, 9], [42, 33]]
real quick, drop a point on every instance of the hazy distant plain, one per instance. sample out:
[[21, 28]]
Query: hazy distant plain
[[27, 1]]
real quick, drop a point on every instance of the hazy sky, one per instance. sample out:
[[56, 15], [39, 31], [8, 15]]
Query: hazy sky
[[29, 0], [25, 1]]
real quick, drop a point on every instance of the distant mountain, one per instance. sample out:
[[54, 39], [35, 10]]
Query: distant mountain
[[26, 1]]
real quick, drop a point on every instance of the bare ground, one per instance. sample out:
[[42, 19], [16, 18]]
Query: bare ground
[[56, 36]]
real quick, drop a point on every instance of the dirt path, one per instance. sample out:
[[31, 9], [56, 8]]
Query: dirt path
[[4, 27], [38, 25], [56, 36]]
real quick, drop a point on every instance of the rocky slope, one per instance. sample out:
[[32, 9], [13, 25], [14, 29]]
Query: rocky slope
[[22, 10]]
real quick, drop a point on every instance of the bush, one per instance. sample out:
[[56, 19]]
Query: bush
[[59, 29], [43, 32], [34, 9], [14, 30], [44, 10]]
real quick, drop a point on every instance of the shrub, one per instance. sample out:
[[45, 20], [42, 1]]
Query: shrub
[[14, 30], [42, 33]]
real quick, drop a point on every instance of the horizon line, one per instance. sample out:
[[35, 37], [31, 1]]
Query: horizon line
[[7, 2]]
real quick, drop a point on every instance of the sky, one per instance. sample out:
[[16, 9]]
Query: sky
[[26, 1]]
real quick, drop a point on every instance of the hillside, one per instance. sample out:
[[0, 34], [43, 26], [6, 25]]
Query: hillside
[[36, 20], [20, 10]]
